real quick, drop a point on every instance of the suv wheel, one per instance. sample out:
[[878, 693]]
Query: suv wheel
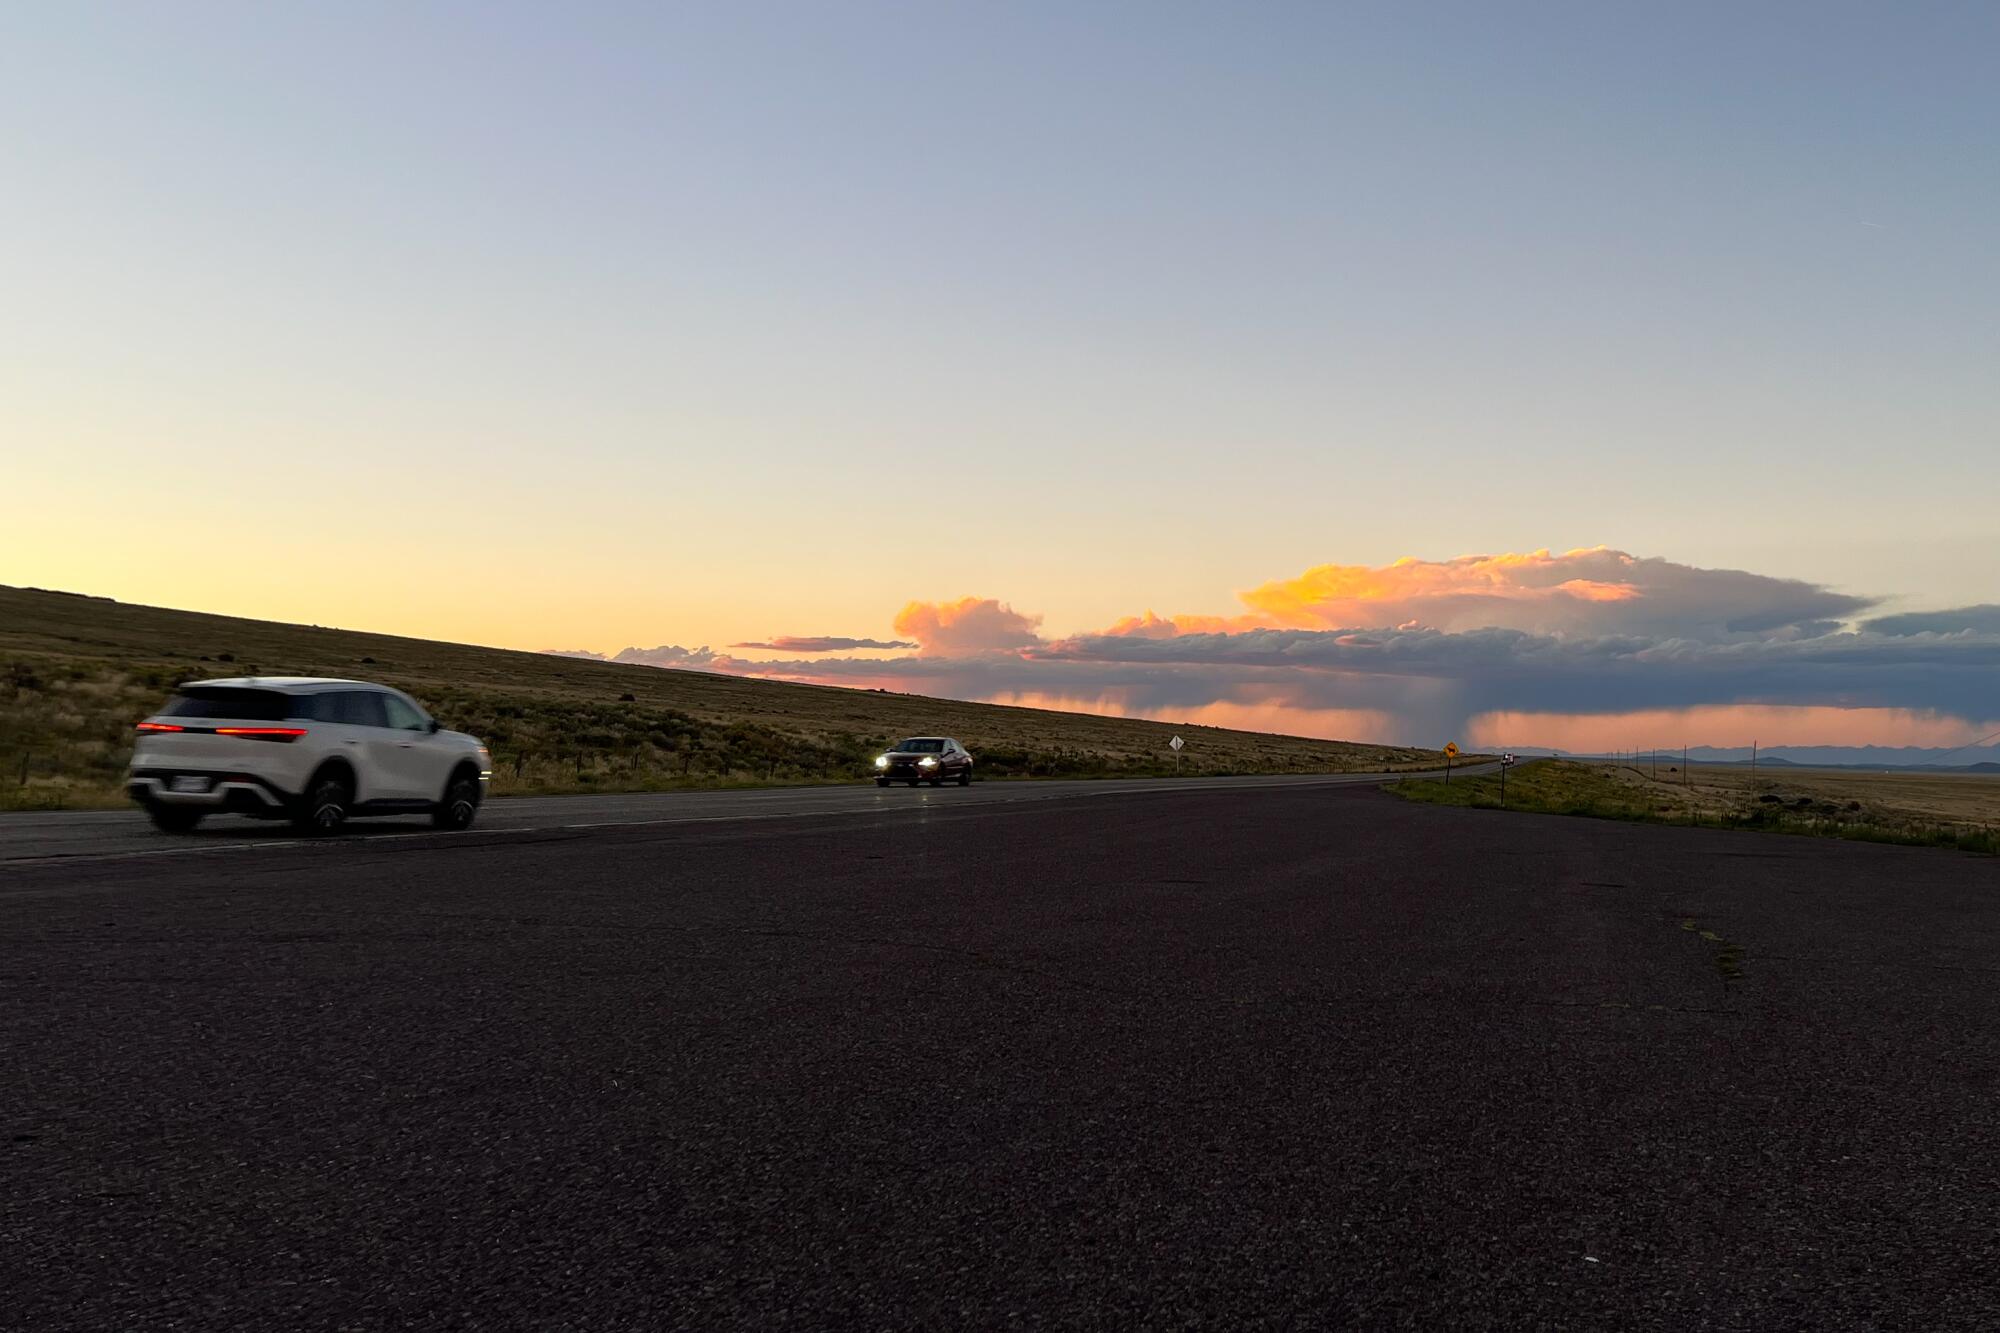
[[173, 819], [459, 806], [965, 777], [324, 808]]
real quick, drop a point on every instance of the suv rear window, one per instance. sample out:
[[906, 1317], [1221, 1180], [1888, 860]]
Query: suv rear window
[[232, 703]]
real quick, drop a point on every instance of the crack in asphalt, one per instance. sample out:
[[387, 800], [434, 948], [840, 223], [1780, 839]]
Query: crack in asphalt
[[1728, 955]]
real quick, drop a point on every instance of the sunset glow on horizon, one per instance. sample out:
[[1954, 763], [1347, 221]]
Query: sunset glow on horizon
[[1725, 726]]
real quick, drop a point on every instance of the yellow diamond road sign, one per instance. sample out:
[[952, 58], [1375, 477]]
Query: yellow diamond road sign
[[1451, 749]]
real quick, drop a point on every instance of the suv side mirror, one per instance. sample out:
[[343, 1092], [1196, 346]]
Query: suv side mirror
[[436, 726]]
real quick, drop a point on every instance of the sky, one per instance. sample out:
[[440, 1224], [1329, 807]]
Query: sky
[[603, 327]]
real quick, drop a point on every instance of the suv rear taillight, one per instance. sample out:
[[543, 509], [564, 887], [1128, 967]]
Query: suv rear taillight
[[285, 734], [157, 726]]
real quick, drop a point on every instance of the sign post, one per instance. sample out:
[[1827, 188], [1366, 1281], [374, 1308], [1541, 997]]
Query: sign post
[[1450, 753], [1506, 762], [1175, 745]]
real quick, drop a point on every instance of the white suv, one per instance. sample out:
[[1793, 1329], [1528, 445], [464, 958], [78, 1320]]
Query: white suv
[[311, 751]]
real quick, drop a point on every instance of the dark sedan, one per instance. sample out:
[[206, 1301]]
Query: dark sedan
[[932, 759]]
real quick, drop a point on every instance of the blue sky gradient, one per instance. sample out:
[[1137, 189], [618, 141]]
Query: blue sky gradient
[[650, 316]]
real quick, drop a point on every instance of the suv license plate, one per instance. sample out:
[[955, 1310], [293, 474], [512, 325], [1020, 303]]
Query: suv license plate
[[188, 784]]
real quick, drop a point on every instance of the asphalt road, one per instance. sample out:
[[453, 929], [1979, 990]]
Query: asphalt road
[[1271, 1055], [63, 833]]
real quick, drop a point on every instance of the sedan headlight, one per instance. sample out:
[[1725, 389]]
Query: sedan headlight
[[926, 762], [881, 761]]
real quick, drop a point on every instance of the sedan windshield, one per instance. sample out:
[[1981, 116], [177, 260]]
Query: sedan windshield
[[920, 747]]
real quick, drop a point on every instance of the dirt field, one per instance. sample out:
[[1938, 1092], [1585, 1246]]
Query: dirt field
[[1972, 798], [1882, 797]]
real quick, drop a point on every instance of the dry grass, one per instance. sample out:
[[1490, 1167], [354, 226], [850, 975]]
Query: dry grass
[[1936, 809], [76, 672], [1967, 798]]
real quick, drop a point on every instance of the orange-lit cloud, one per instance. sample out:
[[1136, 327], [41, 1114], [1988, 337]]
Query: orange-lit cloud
[[1598, 590], [1588, 590], [968, 625], [1150, 626], [1359, 595]]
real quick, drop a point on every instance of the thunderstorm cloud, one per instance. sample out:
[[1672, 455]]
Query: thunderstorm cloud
[[1428, 647]]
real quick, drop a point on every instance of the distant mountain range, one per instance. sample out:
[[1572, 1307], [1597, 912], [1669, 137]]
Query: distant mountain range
[[1977, 759]]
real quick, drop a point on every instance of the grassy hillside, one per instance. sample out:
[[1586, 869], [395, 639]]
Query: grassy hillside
[[77, 672]]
